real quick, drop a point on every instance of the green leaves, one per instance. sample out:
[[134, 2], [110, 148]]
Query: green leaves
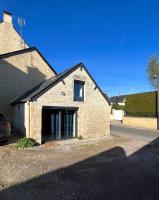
[[118, 107], [153, 71], [26, 143], [142, 104], [80, 137]]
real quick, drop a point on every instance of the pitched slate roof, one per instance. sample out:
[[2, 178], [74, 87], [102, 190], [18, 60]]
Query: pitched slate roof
[[45, 85], [30, 49], [118, 99]]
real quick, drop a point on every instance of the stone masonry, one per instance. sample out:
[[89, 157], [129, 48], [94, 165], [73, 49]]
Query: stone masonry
[[10, 40], [93, 114], [19, 72], [23, 70]]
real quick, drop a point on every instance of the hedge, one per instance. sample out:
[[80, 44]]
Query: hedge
[[142, 104], [118, 107]]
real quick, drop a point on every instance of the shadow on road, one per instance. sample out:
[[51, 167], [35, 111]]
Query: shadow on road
[[110, 175]]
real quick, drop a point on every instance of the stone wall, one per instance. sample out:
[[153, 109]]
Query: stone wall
[[10, 40], [18, 74], [140, 122], [93, 114]]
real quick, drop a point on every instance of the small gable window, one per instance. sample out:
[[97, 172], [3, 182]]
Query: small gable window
[[79, 90]]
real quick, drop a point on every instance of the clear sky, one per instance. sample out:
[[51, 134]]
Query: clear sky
[[113, 38]]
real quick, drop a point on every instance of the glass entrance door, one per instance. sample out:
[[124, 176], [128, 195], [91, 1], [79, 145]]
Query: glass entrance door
[[55, 125], [67, 124], [59, 124]]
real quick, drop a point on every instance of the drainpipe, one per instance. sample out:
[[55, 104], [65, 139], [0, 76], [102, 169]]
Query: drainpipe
[[28, 103]]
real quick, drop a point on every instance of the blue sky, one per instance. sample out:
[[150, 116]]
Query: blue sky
[[113, 38]]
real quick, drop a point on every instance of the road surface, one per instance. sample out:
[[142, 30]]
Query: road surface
[[125, 131]]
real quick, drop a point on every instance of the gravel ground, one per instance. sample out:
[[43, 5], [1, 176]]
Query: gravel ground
[[100, 168]]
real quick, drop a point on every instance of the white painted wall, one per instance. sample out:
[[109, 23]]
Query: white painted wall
[[118, 114]]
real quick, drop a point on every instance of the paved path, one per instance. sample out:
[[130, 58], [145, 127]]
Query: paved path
[[121, 130]]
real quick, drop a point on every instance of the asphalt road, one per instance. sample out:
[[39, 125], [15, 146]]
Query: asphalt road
[[124, 131]]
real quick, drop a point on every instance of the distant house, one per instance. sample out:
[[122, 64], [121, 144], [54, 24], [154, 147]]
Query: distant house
[[39, 102], [120, 100]]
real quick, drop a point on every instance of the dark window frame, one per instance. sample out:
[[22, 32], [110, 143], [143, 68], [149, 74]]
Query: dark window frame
[[83, 90]]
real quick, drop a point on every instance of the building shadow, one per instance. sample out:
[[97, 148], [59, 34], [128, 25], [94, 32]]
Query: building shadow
[[110, 175], [15, 80]]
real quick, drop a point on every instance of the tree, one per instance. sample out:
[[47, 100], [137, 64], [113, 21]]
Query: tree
[[153, 76], [153, 72]]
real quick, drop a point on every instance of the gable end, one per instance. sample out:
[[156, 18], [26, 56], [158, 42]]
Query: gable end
[[36, 92]]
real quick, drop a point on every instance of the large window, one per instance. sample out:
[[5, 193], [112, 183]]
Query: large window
[[58, 123], [79, 90]]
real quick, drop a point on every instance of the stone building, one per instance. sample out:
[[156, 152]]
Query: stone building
[[42, 104]]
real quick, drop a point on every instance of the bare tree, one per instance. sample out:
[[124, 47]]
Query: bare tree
[[153, 76]]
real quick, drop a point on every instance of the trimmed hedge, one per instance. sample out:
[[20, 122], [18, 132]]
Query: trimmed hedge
[[142, 104]]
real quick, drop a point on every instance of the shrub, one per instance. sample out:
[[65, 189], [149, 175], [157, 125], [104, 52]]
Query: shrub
[[118, 107], [26, 143], [80, 137], [142, 104]]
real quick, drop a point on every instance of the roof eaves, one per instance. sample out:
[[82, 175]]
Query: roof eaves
[[34, 94], [6, 55], [26, 96], [97, 86], [58, 78], [9, 54], [69, 72]]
